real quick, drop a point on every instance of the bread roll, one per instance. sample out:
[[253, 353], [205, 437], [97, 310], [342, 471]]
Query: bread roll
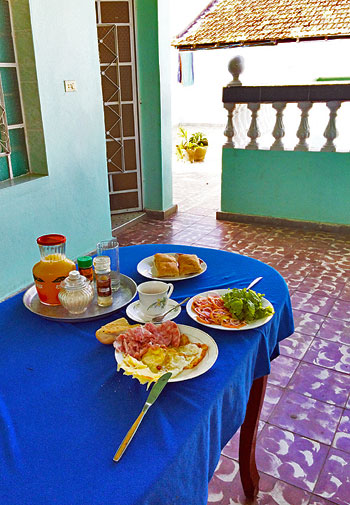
[[188, 264], [109, 332], [166, 265]]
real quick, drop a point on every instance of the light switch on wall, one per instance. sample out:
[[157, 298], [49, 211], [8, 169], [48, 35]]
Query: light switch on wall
[[70, 86]]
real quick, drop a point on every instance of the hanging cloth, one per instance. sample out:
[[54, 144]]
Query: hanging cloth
[[185, 74]]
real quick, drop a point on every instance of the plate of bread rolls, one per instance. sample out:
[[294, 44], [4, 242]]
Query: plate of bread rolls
[[171, 266]]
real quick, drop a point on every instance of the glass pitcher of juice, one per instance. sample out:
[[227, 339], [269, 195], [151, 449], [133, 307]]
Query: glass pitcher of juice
[[53, 268]]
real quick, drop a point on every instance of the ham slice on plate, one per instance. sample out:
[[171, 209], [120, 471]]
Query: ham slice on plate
[[136, 341]]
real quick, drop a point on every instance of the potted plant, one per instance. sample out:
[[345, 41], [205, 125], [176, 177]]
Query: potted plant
[[192, 148]]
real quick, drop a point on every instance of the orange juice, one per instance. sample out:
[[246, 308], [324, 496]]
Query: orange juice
[[53, 268], [48, 275]]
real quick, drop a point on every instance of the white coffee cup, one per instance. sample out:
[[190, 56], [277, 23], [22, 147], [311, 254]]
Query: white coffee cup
[[154, 297]]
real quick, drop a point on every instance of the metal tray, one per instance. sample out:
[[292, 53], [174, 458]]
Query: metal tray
[[122, 297]]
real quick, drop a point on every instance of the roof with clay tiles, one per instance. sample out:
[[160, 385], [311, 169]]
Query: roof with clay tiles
[[249, 22]]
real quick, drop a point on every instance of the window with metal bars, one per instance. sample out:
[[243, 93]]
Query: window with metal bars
[[13, 150]]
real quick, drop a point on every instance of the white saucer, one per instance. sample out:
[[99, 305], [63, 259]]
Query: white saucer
[[135, 313]]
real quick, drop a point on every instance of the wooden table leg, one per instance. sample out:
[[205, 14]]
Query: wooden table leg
[[247, 441]]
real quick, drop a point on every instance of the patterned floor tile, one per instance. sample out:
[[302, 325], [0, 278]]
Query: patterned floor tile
[[340, 310], [231, 449], [296, 345], [334, 482], [321, 384], [342, 436], [225, 488], [282, 369], [335, 330], [306, 416], [345, 294], [316, 500], [306, 322], [329, 354], [312, 303], [294, 459], [322, 287], [272, 396]]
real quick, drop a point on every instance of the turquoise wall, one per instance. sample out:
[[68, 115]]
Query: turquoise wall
[[305, 186], [153, 62], [73, 198]]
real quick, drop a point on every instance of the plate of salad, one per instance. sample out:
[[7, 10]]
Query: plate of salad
[[230, 309]]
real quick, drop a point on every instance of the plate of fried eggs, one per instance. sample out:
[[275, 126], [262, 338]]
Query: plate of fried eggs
[[195, 355]]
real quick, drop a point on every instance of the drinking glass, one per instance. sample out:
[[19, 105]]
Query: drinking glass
[[111, 248]]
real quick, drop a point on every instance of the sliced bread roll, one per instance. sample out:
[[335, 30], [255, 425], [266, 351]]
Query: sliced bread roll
[[109, 332]]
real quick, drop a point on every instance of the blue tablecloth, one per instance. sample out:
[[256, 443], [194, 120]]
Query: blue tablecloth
[[64, 409]]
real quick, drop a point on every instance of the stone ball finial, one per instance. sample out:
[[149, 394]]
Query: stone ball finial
[[236, 67]]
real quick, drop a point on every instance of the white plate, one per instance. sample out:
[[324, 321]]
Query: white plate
[[195, 335], [147, 269], [249, 326], [134, 312]]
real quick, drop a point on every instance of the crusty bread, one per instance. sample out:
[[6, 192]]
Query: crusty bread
[[188, 264], [166, 265], [109, 332]]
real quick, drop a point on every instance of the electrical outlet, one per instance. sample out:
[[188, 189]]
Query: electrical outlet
[[70, 86]]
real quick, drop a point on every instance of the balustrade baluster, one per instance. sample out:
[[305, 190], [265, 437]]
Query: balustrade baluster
[[235, 67], [278, 131], [303, 132], [229, 130], [330, 132], [253, 132]]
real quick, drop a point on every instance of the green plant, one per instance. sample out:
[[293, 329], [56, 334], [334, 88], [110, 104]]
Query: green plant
[[195, 141]]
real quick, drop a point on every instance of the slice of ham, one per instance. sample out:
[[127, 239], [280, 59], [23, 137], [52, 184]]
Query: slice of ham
[[137, 341]]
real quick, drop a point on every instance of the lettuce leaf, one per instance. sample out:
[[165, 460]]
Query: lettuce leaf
[[246, 305]]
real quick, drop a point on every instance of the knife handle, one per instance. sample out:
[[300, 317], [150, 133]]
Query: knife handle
[[129, 435]]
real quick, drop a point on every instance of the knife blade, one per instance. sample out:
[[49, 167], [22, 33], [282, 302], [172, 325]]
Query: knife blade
[[155, 392]]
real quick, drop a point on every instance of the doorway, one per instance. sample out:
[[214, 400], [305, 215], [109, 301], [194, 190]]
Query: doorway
[[116, 44]]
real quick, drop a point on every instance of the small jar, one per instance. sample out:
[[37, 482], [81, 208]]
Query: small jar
[[102, 265], [76, 293], [85, 267]]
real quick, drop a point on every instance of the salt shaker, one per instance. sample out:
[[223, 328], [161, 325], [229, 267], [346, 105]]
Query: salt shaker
[[76, 293]]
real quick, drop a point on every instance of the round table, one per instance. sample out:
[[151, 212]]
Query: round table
[[64, 409]]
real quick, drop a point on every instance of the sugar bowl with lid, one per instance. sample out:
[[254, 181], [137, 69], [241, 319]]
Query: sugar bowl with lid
[[76, 293]]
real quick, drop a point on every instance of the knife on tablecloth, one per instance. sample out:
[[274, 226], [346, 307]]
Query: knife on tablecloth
[[155, 392]]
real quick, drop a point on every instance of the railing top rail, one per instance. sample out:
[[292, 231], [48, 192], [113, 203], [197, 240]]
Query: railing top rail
[[292, 93]]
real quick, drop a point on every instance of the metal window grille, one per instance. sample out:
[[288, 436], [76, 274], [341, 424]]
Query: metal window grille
[[5, 147]]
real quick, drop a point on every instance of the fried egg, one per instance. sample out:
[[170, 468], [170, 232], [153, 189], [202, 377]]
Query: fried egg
[[155, 362]]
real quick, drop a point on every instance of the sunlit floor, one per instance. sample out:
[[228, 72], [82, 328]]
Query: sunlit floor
[[303, 447]]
